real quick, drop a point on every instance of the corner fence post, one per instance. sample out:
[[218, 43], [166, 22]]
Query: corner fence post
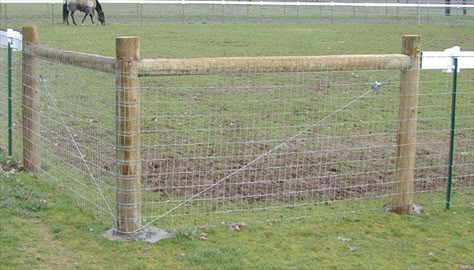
[[406, 136], [30, 104], [128, 144]]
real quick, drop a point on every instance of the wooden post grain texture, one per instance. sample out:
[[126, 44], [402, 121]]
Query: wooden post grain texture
[[406, 137], [30, 104], [128, 194]]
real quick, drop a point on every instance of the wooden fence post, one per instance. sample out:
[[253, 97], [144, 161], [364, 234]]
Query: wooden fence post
[[30, 104], [128, 194], [406, 137]]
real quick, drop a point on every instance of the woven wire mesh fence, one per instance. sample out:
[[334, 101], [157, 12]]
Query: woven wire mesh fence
[[256, 146], [76, 139], [288, 12], [227, 142], [433, 135], [4, 96], [464, 134], [233, 146], [354, 11], [10, 114]]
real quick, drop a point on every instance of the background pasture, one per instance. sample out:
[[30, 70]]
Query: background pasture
[[143, 12]]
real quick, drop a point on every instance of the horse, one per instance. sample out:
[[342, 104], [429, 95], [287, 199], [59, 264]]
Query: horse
[[86, 6]]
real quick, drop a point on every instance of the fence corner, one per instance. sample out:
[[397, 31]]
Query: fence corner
[[30, 104], [402, 201]]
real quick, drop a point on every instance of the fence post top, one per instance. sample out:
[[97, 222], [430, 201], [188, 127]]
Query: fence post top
[[30, 34], [411, 36], [127, 47], [29, 27], [128, 37]]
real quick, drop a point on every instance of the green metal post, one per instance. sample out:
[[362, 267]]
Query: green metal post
[[10, 122], [451, 134]]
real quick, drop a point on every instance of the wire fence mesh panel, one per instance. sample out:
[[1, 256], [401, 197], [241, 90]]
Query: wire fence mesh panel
[[77, 139], [3, 97], [290, 12], [433, 135], [433, 131], [16, 122], [186, 142], [252, 146], [464, 132], [349, 11], [31, 13]]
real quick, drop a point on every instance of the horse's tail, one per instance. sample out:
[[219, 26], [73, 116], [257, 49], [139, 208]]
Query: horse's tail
[[65, 12]]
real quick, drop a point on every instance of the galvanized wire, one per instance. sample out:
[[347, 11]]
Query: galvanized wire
[[77, 139], [237, 146], [246, 146], [16, 144], [243, 142]]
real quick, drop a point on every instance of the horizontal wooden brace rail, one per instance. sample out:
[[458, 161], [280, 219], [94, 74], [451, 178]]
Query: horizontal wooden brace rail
[[273, 64], [188, 66], [90, 61]]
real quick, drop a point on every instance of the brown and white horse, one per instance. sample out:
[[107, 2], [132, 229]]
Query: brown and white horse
[[86, 6]]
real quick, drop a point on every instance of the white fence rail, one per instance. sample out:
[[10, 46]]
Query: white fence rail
[[445, 59], [11, 37], [419, 4]]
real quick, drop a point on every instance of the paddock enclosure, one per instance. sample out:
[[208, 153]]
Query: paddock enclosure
[[177, 143], [279, 11]]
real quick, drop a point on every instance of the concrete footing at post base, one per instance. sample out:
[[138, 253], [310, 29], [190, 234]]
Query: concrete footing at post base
[[146, 234]]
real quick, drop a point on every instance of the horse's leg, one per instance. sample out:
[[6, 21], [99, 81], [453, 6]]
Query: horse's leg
[[83, 19], [92, 18], [72, 16]]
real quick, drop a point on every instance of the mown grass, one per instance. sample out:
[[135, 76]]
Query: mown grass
[[195, 40], [40, 228]]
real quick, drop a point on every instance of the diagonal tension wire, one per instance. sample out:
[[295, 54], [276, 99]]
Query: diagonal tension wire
[[94, 181], [374, 87]]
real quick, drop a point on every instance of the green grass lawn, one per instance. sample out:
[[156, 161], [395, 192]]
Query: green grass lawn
[[194, 40], [40, 228]]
